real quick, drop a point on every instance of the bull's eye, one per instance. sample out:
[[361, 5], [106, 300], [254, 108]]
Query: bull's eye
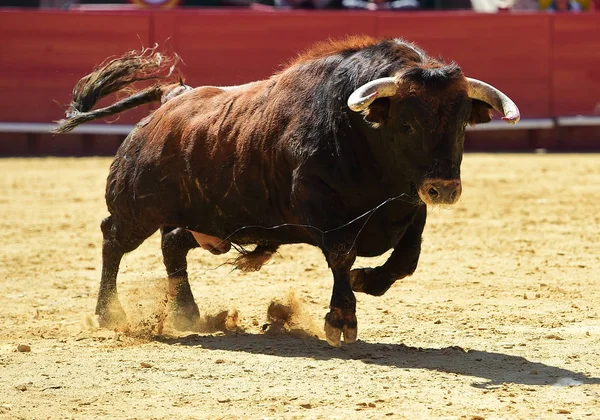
[[406, 129]]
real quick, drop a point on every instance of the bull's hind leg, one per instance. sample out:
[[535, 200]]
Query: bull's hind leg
[[176, 243], [119, 239]]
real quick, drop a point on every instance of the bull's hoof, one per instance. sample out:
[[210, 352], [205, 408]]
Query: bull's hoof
[[186, 317], [339, 321], [112, 317]]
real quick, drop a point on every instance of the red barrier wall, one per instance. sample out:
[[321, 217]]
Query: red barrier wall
[[43, 55], [224, 47], [548, 63], [576, 64]]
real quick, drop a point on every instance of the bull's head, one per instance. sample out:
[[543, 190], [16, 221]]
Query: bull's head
[[425, 111]]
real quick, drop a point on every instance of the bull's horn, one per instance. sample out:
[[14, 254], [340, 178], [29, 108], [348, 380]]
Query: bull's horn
[[362, 97], [498, 100]]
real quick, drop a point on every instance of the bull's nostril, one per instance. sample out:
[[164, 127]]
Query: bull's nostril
[[454, 194], [433, 193]]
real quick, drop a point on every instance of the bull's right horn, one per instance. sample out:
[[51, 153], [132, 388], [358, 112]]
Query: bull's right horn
[[362, 97]]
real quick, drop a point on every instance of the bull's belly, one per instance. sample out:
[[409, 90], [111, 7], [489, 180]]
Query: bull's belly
[[369, 242], [213, 229], [218, 245], [216, 229]]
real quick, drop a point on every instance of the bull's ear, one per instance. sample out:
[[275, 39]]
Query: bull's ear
[[480, 112], [378, 112]]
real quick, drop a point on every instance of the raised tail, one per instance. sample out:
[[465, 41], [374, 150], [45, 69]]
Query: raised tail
[[116, 75]]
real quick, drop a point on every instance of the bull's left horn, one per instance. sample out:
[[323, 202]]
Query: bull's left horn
[[498, 100], [362, 97]]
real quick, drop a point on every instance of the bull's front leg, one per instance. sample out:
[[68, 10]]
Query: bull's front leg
[[325, 212], [402, 263], [342, 315]]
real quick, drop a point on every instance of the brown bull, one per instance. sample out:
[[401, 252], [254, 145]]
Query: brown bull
[[343, 149]]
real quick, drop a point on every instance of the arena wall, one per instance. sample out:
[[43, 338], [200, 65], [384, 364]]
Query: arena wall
[[548, 63]]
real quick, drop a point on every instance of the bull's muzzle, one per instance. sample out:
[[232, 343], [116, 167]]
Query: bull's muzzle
[[440, 191]]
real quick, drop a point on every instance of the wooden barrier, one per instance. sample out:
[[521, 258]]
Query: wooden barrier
[[548, 63], [43, 54], [575, 64], [225, 47]]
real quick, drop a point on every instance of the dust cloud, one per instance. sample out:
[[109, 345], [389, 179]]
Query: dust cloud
[[287, 316]]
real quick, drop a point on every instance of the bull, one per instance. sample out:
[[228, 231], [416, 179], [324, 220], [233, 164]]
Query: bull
[[343, 149]]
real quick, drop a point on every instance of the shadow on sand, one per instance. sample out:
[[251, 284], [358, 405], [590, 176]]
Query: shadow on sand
[[494, 369]]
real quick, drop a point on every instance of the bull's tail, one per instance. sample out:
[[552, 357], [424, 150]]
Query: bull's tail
[[116, 75]]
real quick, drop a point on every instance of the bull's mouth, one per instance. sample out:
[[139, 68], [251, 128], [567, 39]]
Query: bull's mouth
[[440, 191]]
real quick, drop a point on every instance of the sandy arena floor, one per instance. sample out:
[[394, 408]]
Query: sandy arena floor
[[501, 319]]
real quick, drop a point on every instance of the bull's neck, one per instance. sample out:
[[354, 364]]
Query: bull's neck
[[387, 155]]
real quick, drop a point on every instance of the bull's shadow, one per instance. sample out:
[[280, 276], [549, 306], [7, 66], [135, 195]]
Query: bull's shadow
[[493, 368]]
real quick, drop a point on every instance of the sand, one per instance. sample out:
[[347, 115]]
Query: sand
[[501, 319]]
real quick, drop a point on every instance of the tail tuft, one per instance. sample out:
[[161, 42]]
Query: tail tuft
[[114, 75]]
